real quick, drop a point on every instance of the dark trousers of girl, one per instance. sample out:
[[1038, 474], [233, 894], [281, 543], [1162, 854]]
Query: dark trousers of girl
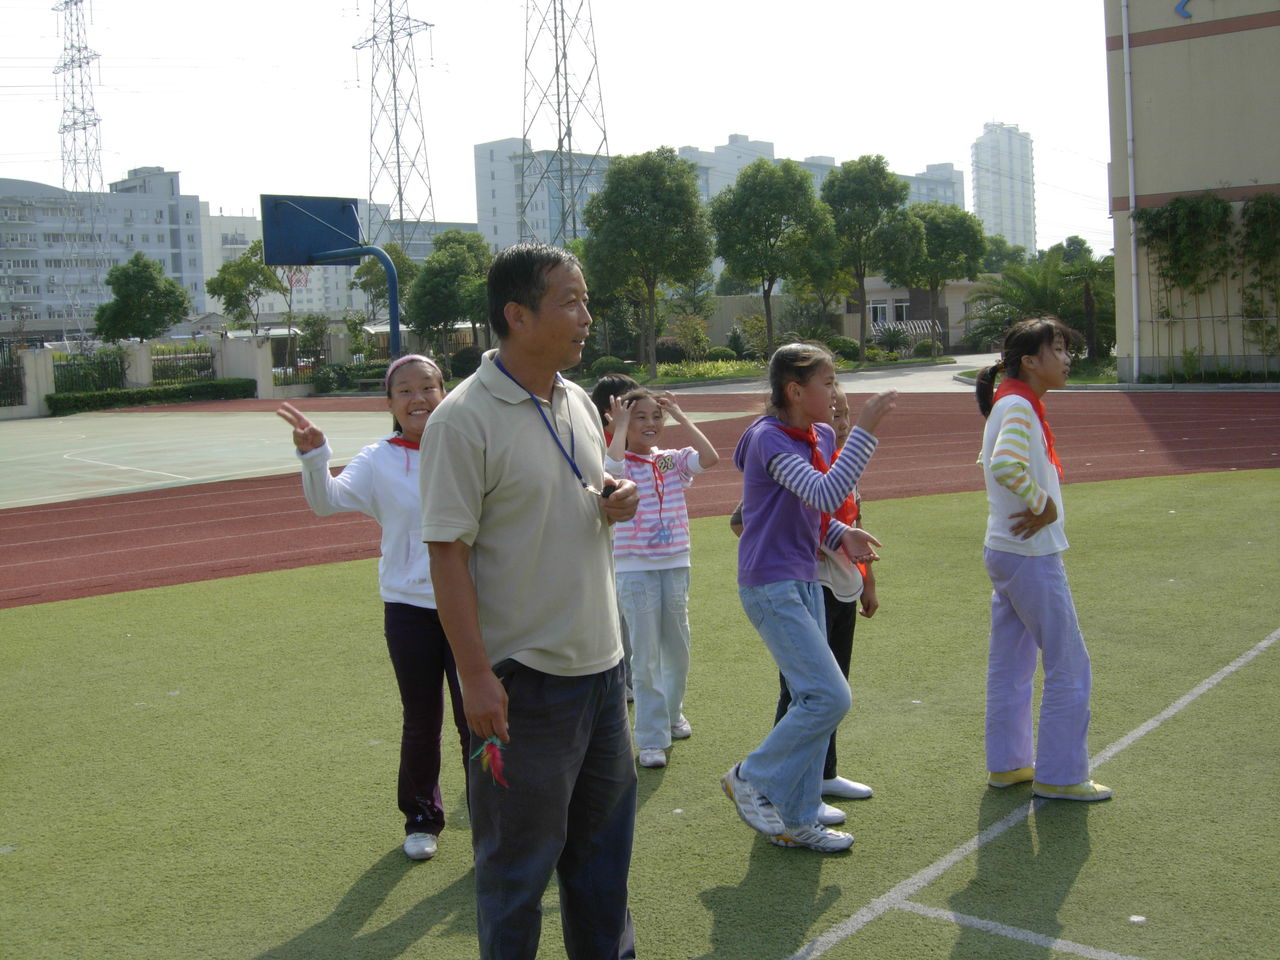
[[841, 618], [423, 662]]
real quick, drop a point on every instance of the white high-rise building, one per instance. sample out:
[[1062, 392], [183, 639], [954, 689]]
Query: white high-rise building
[[1004, 193]]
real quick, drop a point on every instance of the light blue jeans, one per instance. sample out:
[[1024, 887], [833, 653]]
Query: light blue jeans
[[787, 766], [655, 605]]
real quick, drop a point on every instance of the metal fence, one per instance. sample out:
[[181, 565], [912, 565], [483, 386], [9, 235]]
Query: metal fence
[[181, 363], [12, 386], [291, 365], [80, 373]]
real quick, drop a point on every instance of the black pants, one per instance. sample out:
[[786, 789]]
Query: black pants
[[841, 619], [422, 659]]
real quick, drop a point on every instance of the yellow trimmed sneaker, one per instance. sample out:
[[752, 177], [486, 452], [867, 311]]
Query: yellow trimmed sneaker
[[1085, 790], [1007, 778]]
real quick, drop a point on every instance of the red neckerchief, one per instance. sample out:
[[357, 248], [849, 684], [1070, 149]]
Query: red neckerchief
[[1012, 386], [659, 481], [847, 512], [402, 442]]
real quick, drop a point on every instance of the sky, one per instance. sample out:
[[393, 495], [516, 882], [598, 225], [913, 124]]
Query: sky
[[245, 98]]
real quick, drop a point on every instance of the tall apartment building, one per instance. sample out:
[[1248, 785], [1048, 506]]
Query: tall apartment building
[[1004, 194], [40, 282]]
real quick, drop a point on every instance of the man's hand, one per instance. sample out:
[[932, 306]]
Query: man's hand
[[484, 701], [620, 506], [1027, 524]]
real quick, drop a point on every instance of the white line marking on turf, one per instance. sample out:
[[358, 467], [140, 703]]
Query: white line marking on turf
[[117, 466], [1014, 933], [899, 896]]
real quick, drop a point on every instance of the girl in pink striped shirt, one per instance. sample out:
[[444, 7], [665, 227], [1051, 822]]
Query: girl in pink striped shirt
[[651, 559]]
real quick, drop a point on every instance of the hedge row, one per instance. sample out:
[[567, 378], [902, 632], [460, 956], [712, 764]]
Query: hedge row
[[233, 388]]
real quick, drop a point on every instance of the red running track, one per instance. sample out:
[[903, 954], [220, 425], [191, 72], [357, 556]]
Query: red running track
[[929, 445]]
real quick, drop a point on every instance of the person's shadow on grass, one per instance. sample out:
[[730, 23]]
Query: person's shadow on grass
[[1024, 876], [338, 936], [771, 911]]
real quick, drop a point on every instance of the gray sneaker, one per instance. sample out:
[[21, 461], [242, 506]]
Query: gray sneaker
[[816, 837], [753, 807]]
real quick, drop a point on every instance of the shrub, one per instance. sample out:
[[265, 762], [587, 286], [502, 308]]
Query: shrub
[[846, 348], [874, 354], [691, 333], [736, 342], [721, 353], [753, 332], [926, 348], [607, 364], [465, 362], [669, 350], [324, 378], [62, 404]]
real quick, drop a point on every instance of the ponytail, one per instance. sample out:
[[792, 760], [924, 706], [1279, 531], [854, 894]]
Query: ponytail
[[986, 387]]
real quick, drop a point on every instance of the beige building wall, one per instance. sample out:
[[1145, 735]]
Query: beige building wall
[[1202, 93]]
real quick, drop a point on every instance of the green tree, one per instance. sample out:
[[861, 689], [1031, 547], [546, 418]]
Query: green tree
[[1000, 253], [821, 284], [865, 198], [145, 302], [647, 225], [1091, 300], [313, 328], [765, 224], [1033, 289], [371, 279], [954, 245], [730, 286], [241, 285], [449, 288]]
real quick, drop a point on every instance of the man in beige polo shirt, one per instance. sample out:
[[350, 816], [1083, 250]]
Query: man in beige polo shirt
[[516, 509]]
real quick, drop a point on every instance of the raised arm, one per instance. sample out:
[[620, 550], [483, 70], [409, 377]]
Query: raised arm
[[707, 456]]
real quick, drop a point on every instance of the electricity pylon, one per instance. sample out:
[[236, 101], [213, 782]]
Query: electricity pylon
[[400, 203], [81, 135], [562, 102]]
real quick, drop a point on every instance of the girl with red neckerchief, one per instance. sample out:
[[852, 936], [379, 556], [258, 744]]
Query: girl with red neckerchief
[[651, 562], [381, 481], [1031, 607], [791, 479]]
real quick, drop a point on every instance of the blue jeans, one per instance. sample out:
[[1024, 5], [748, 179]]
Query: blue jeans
[[655, 604], [787, 766], [569, 809]]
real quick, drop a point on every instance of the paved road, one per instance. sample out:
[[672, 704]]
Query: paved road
[[934, 379]]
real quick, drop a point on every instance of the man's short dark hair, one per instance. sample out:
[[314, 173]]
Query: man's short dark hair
[[519, 274]]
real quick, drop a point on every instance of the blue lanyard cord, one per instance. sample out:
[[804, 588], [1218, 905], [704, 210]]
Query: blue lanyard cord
[[537, 405]]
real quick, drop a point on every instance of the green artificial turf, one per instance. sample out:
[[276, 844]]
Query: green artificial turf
[[208, 770]]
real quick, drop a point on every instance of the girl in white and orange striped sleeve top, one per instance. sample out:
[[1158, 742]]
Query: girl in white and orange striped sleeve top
[[1031, 605], [651, 560]]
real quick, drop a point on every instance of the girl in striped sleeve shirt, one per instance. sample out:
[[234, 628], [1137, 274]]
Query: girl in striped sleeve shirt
[[651, 560], [791, 477], [1031, 605]]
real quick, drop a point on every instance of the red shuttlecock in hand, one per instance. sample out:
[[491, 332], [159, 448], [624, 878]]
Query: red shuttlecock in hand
[[490, 754]]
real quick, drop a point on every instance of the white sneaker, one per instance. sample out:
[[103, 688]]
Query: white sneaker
[[816, 837], [681, 730], [753, 807], [652, 757], [830, 816], [845, 789], [420, 846]]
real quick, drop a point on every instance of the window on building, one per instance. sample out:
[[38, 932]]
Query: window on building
[[901, 311], [878, 312]]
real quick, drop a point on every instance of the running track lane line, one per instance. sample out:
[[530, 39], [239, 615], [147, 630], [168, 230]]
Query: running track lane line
[[899, 898]]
